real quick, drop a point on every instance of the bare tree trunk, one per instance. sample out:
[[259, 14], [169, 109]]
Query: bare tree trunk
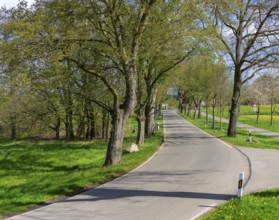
[[141, 127], [57, 128], [213, 112], [206, 113], [13, 125], [272, 110], [107, 125], [189, 109], [199, 111], [120, 116], [114, 152], [221, 115], [92, 126], [149, 114], [103, 123], [234, 111], [258, 112]]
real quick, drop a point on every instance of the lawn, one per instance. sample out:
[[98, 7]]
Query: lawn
[[34, 172], [261, 205], [247, 116], [259, 141]]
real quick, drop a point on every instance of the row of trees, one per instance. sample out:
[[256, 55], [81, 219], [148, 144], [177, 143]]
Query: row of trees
[[203, 80], [264, 90], [248, 33], [89, 68]]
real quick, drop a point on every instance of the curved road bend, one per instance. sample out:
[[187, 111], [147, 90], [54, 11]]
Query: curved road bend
[[191, 173]]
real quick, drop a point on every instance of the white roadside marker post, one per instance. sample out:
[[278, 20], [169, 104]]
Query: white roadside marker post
[[240, 185], [250, 136]]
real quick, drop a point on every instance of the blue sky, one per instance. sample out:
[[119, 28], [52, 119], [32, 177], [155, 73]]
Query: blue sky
[[13, 3]]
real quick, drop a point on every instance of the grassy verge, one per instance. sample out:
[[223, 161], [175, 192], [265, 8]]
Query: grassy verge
[[35, 172], [259, 141], [261, 205], [247, 116]]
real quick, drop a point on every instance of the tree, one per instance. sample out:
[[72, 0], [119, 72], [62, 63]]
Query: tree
[[103, 42], [248, 30]]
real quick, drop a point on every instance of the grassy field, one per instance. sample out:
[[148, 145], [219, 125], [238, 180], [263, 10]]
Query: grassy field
[[247, 116], [261, 205], [259, 141], [33, 173]]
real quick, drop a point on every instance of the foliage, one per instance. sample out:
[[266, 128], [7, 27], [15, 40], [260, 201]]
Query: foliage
[[259, 141], [260, 205]]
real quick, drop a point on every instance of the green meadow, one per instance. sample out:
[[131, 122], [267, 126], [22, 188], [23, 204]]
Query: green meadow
[[247, 116], [33, 173]]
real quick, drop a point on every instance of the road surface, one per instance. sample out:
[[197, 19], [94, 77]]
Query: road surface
[[191, 173]]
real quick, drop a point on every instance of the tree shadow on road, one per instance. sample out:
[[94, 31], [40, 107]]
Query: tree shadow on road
[[114, 193]]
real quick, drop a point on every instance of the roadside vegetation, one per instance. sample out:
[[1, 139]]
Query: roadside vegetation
[[261, 205], [249, 117], [259, 141], [33, 173]]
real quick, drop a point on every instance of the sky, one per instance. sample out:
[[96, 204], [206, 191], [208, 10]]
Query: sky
[[13, 3]]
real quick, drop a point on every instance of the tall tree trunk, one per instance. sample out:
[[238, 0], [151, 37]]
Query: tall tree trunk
[[114, 151], [206, 113], [185, 109], [199, 109], [13, 125], [107, 125], [103, 123], [213, 112], [189, 109], [92, 132], [57, 128], [141, 128], [221, 115], [120, 116], [258, 112], [149, 113], [272, 110], [234, 111], [69, 115]]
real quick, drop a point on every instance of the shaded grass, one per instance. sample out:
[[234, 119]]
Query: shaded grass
[[259, 141], [261, 205], [35, 172]]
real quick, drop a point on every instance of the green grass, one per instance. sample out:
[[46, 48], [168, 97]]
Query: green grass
[[259, 141], [247, 116], [35, 172], [261, 205]]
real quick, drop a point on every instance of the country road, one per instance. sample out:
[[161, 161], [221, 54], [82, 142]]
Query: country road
[[191, 173]]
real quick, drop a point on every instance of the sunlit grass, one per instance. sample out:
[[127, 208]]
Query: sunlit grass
[[259, 141], [35, 172], [257, 206], [262, 205], [247, 116]]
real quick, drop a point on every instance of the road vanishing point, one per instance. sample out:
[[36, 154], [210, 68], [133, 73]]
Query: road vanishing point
[[191, 173]]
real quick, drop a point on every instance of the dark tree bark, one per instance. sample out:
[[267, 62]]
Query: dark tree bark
[[213, 112], [149, 116], [141, 128], [13, 126], [246, 49], [234, 110]]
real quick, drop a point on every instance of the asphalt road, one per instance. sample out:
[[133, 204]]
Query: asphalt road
[[191, 173]]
